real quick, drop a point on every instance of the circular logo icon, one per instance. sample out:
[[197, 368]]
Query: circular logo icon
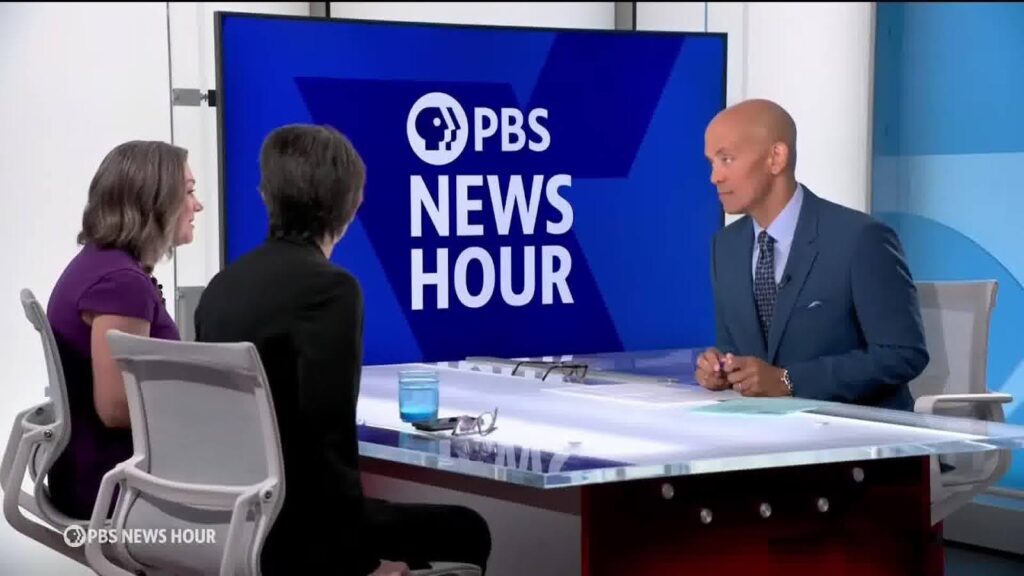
[[74, 536], [437, 128]]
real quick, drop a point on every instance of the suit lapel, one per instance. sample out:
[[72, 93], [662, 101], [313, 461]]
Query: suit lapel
[[749, 337], [801, 259]]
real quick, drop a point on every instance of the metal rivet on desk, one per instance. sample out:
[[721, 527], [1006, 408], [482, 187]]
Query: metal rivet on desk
[[48, 433], [705, 516], [766, 510], [858, 474], [267, 495], [667, 491], [822, 504]]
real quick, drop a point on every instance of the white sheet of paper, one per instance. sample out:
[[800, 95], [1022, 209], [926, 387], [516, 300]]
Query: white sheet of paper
[[647, 395]]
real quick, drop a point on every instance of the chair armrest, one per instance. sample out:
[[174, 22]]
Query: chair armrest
[[49, 527], [247, 562], [21, 428], [233, 498], [49, 514], [25, 438], [927, 404], [208, 495]]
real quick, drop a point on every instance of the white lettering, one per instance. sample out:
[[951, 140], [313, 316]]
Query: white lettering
[[551, 276], [529, 278], [420, 199], [438, 278], [483, 130], [516, 196], [539, 129], [560, 204], [556, 264], [464, 205], [486, 289], [512, 125]]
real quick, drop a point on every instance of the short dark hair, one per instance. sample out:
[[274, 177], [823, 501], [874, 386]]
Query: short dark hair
[[135, 198], [311, 180]]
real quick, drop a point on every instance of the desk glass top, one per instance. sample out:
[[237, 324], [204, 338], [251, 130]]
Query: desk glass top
[[640, 416]]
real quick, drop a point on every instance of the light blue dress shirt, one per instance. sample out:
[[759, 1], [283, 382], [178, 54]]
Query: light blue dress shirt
[[782, 230]]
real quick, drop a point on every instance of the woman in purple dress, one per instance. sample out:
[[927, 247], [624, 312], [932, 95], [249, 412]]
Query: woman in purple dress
[[141, 204]]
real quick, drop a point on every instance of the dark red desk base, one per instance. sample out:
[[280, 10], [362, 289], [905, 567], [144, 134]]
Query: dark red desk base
[[877, 526]]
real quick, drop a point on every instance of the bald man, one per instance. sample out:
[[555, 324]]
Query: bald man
[[812, 299]]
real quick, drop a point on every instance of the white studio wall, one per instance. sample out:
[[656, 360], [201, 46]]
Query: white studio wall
[[78, 80], [596, 15], [777, 50]]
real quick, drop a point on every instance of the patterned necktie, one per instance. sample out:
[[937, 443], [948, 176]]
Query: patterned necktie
[[765, 288]]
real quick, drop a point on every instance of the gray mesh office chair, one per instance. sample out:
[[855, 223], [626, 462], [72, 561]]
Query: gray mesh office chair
[[207, 459], [39, 436], [956, 317]]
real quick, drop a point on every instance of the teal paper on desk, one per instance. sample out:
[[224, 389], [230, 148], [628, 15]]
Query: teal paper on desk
[[755, 406]]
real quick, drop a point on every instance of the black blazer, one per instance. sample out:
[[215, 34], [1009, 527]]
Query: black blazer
[[305, 316]]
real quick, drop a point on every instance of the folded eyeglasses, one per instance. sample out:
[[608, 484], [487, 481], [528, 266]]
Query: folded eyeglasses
[[572, 372], [483, 424]]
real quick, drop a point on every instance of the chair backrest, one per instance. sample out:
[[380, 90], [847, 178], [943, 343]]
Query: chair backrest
[[40, 434], [956, 317], [57, 414], [201, 414]]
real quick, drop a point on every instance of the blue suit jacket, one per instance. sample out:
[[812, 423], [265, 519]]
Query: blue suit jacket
[[847, 324]]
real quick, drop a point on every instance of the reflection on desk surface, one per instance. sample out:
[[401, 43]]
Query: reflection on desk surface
[[643, 429], [673, 366], [484, 451]]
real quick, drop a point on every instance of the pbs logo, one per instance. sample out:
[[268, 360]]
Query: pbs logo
[[74, 536], [438, 128]]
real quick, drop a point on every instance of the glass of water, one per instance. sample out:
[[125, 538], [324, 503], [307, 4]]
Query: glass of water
[[418, 396]]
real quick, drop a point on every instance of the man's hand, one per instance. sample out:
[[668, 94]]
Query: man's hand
[[751, 376], [388, 568], [710, 373]]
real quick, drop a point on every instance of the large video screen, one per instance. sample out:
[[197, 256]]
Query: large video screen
[[529, 192]]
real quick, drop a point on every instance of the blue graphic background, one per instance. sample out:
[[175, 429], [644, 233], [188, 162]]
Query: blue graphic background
[[626, 116], [949, 159]]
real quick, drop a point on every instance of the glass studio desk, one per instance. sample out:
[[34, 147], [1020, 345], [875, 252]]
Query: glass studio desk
[[654, 475]]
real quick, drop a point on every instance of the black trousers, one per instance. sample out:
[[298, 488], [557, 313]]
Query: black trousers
[[420, 533]]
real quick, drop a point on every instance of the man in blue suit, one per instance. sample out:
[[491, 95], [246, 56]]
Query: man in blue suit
[[812, 299]]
